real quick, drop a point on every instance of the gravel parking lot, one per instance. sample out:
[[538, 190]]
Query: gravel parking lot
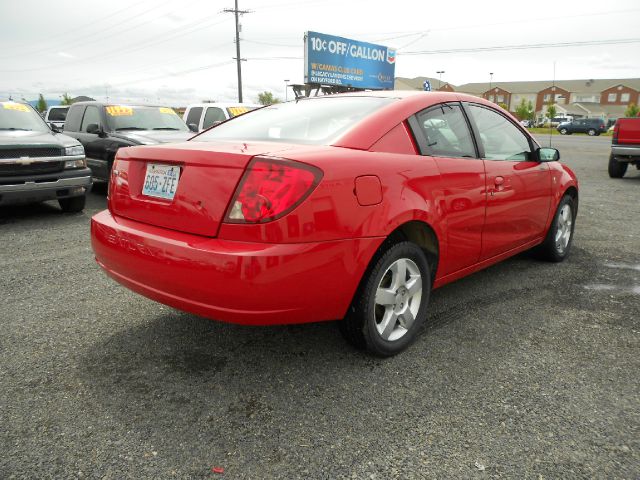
[[526, 370]]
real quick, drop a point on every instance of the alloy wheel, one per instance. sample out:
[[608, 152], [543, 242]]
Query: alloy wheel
[[397, 299], [564, 228]]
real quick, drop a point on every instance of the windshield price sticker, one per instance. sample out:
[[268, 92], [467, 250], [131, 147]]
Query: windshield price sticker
[[15, 106], [235, 111], [119, 111], [167, 110]]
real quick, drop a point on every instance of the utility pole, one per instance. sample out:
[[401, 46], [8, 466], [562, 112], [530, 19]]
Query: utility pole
[[238, 58]]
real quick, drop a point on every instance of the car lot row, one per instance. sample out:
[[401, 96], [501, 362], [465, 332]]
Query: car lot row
[[57, 160]]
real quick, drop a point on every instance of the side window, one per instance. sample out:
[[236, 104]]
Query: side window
[[91, 115], [446, 131], [74, 117], [194, 116], [213, 114], [501, 139]]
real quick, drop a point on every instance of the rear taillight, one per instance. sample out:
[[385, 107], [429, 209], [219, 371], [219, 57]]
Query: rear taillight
[[112, 184], [616, 129], [271, 188]]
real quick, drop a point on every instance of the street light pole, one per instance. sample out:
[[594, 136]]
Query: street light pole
[[286, 89], [440, 72], [490, 80]]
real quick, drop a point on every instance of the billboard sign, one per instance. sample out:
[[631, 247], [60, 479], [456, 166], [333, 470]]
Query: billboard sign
[[331, 60]]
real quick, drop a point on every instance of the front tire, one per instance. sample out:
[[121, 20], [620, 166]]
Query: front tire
[[557, 243], [73, 204], [390, 305], [563, 131], [617, 169]]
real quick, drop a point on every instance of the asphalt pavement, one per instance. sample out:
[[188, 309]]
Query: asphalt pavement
[[525, 370]]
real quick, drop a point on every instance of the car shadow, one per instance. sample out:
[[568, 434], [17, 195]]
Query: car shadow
[[36, 211]]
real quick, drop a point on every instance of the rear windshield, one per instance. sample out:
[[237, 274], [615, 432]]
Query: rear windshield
[[18, 116], [310, 121], [127, 117]]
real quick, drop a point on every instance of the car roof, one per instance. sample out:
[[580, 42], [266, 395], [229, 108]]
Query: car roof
[[128, 104], [223, 104]]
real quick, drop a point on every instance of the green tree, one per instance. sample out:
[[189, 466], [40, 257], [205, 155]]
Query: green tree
[[532, 113], [551, 110], [503, 105], [42, 104], [66, 99], [267, 98], [632, 110], [524, 110]]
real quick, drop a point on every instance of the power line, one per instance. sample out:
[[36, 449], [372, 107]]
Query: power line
[[523, 47], [94, 37], [120, 52]]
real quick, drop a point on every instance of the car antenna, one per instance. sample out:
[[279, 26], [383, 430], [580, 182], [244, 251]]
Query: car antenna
[[553, 100]]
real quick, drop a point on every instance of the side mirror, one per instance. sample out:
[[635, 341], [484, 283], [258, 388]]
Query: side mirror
[[546, 154], [55, 128], [193, 127], [95, 129]]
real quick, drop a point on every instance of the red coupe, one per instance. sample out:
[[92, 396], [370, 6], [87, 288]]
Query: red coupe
[[350, 207]]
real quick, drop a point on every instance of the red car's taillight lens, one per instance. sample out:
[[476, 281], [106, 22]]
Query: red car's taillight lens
[[271, 188], [112, 184]]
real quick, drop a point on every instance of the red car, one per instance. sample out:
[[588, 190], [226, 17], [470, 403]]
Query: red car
[[350, 207]]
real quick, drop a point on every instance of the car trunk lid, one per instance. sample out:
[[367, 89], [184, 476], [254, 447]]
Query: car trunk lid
[[208, 175]]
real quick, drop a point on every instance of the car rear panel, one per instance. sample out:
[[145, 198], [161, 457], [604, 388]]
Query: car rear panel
[[208, 177]]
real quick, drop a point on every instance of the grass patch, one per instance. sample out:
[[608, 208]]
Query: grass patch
[[553, 131]]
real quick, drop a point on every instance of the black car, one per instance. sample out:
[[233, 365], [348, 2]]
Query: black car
[[591, 126], [104, 127], [37, 163]]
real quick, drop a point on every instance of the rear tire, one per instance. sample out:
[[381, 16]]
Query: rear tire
[[617, 169], [557, 243], [591, 132], [390, 305], [73, 204]]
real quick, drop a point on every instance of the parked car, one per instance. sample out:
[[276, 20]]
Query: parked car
[[625, 146], [56, 115], [590, 126], [38, 164], [104, 127], [200, 116], [349, 207], [525, 123]]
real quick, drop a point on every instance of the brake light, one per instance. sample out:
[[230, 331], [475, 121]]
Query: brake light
[[270, 188], [112, 184], [616, 129]]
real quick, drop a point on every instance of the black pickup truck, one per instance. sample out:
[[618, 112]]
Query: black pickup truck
[[38, 163], [104, 127]]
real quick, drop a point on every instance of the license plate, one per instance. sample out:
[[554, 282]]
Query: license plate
[[161, 181]]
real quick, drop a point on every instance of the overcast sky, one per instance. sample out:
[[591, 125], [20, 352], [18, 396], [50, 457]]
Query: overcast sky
[[176, 52]]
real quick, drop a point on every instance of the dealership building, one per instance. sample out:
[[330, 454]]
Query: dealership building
[[602, 98]]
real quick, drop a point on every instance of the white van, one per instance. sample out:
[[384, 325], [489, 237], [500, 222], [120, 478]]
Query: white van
[[205, 115]]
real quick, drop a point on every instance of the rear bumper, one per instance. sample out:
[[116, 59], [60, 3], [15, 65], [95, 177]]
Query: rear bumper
[[18, 190], [239, 282], [625, 150]]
